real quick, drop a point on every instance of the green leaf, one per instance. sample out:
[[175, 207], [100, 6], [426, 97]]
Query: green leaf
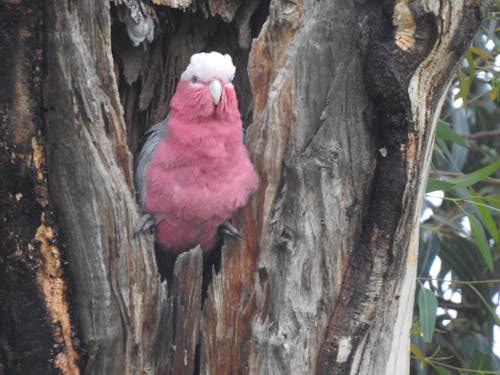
[[493, 199], [481, 52], [427, 307], [486, 304], [442, 371], [494, 94], [418, 353], [485, 214], [476, 176], [481, 361], [434, 184], [470, 62], [458, 256], [446, 132], [464, 83], [479, 237], [462, 181], [416, 331]]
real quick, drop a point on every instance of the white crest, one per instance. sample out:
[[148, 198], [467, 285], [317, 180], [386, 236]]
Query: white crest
[[206, 66]]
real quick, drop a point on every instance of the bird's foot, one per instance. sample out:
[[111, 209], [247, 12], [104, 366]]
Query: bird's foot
[[228, 229], [145, 223]]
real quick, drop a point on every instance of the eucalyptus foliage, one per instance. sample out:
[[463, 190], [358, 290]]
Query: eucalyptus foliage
[[458, 290]]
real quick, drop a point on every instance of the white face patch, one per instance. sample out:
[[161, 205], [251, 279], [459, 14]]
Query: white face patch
[[206, 66]]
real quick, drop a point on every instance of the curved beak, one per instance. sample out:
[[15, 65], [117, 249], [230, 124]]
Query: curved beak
[[215, 88]]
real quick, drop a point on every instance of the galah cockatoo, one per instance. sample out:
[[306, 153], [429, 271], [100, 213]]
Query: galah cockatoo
[[193, 171]]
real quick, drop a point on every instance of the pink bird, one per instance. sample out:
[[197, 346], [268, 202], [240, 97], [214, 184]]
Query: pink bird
[[193, 171]]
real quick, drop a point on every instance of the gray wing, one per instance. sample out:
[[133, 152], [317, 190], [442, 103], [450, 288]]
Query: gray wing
[[151, 140]]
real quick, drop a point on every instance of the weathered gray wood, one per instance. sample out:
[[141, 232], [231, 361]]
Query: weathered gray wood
[[122, 309], [427, 88], [311, 141], [121, 306], [335, 220], [186, 290]]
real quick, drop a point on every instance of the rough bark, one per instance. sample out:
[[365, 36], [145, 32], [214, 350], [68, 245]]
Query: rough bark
[[345, 104], [342, 97], [35, 325], [119, 303]]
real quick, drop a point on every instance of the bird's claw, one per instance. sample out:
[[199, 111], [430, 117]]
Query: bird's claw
[[145, 223], [228, 229]]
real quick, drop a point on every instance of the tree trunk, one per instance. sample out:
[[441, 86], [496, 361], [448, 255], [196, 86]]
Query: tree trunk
[[341, 99]]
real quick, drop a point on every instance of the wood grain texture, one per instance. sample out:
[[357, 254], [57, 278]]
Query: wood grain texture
[[459, 21], [297, 153], [122, 307], [336, 222], [128, 322], [36, 334], [311, 143], [186, 290]]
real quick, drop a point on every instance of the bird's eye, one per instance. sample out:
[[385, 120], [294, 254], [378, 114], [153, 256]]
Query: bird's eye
[[194, 79]]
